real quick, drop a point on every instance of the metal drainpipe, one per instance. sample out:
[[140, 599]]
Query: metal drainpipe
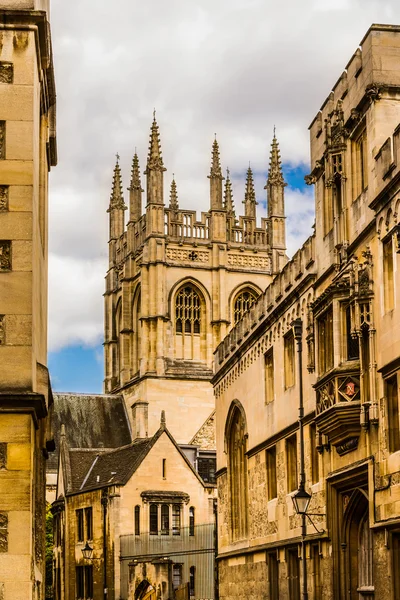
[[104, 501], [297, 325]]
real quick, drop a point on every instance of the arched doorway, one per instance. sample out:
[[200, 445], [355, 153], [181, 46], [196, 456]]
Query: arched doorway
[[357, 558], [145, 591]]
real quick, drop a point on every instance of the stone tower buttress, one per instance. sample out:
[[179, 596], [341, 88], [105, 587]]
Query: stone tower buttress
[[155, 183], [135, 192], [276, 208], [217, 210], [116, 211]]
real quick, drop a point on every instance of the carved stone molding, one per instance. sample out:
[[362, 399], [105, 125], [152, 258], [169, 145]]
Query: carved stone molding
[[184, 255], [2, 330], [5, 255], [2, 140], [3, 198], [249, 262], [6, 72]]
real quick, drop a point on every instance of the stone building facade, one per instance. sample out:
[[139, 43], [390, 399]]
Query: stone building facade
[[175, 286], [145, 512], [27, 152], [344, 287]]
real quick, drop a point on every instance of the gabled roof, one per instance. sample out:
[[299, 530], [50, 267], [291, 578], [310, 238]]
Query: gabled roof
[[96, 468], [91, 421], [205, 436]]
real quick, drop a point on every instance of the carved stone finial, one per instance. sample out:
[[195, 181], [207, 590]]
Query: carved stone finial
[[275, 175], [228, 196], [135, 174], [173, 196], [62, 431], [215, 171], [154, 158], [163, 420], [117, 198]]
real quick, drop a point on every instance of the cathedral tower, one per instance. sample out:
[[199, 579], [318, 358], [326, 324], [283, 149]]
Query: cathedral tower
[[175, 286]]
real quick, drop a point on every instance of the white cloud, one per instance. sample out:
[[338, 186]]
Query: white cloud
[[234, 67]]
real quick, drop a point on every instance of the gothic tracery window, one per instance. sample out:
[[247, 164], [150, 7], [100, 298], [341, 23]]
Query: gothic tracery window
[[243, 302], [189, 324], [187, 311]]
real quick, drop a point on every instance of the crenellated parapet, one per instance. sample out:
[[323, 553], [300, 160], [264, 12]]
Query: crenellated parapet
[[293, 277]]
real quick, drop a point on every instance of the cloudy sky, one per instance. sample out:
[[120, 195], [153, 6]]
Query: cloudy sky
[[231, 67]]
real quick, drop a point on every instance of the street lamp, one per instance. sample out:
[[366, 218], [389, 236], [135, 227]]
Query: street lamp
[[301, 500], [87, 551]]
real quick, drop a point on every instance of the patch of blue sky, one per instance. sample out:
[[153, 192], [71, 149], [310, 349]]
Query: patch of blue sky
[[77, 369]]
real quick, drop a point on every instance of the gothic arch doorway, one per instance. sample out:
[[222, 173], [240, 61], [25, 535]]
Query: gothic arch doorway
[[357, 549], [145, 591]]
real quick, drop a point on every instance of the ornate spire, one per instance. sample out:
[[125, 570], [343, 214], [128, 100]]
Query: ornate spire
[[250, 195], [173, 195], [228, 196], [215, 172], [154, 159], [275, 175], [117, 198], [135, 175]]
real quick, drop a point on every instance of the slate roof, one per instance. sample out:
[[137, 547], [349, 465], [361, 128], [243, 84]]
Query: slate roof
[[91, 421], [116, 466], [80, 463]]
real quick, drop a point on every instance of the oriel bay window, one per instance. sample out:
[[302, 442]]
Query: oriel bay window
[[325, 341]]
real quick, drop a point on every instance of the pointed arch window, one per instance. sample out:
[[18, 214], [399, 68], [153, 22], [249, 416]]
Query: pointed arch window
[[237, 475], [189, 324], [188, 311], [243, 302]]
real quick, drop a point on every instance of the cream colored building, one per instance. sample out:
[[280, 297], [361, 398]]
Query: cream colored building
[[344, 286], [27, 151], [145, 512], [175, 286]]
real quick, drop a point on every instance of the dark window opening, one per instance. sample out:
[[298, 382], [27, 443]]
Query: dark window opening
[[206, 468]]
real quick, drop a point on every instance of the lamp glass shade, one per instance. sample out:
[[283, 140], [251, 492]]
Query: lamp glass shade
[[301, 500], [87, 551]]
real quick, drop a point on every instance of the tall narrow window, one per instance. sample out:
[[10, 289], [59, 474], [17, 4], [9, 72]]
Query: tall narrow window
[[392, 397], [80, 530], [273, 575], [137, 333], [188, 324], [243, 302], [192, 581], [237, 475], [325, 341], [153, 519], [328, 208], [291, 463], [396, 563], [176, 575], [360, 164], [137, 520], [289, 359], [176, 519], [191, 520], [269, 376], [316, 572], [352, 345], [294, 574], [88, 582], [272, 491], [314, 454], [164, 468], [165, 519], [388, 285], [89, 523], [80, 582]]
